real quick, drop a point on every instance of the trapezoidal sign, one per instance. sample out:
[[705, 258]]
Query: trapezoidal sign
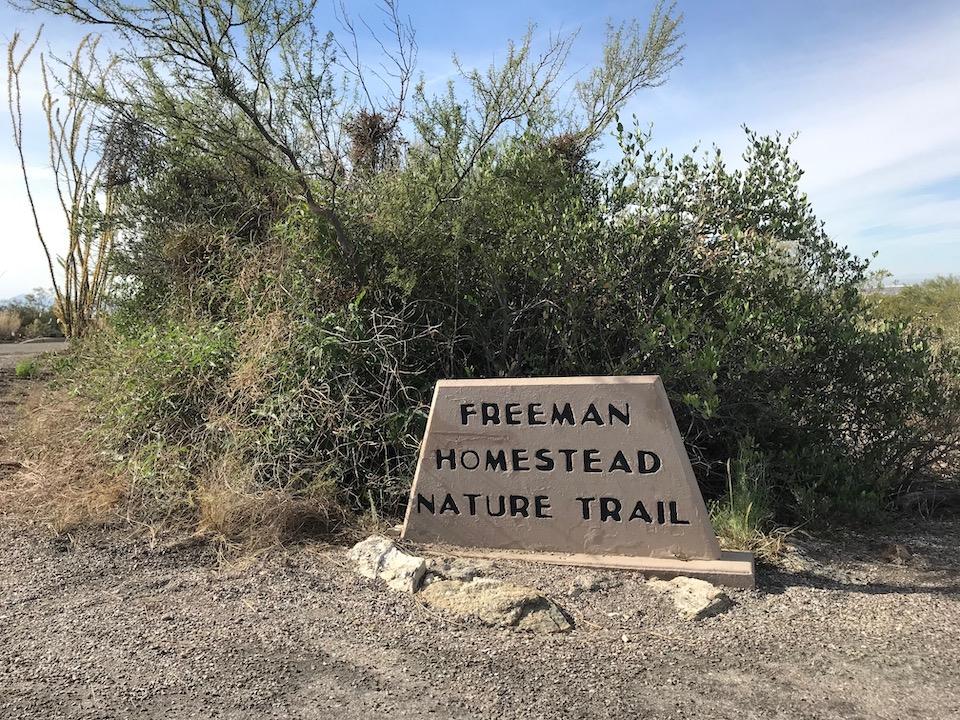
[[591, 467]]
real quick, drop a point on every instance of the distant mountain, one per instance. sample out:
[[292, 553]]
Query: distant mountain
[[16, 299], [45, 295]]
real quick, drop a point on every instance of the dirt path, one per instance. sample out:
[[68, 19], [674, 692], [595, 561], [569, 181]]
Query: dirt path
[[104, 625], [12, 353]]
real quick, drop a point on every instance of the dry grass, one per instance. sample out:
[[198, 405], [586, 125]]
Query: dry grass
[[52, 472], [240, 516], [259, 340], [10, 322], [57, 476], [765, 545], [256, 520]]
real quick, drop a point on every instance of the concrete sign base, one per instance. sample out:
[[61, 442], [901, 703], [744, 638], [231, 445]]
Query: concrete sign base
[[733, 569]]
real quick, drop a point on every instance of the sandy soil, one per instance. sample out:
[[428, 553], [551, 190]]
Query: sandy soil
[[106, 624]]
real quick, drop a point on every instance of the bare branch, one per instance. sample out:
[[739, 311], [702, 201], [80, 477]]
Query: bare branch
[[633, 59], [15, 104], [72, 121]]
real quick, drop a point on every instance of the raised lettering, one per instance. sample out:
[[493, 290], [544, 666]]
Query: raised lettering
[[619, 463], [500, 511], [674, 520], [475, 459], [591, 460], [546, 460], [615, 412], [490, 413], [643, 466], [535, 411], [520, 458], [472, 500], [450, 457], [449, 505], [422, 502], [640, 513], [496, 462]]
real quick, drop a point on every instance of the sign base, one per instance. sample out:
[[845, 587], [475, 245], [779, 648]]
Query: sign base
[[733, 569]]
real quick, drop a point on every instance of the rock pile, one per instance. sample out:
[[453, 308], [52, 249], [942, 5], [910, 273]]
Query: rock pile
[[455, 586]]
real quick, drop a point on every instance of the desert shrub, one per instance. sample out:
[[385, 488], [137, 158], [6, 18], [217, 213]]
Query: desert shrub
[[157, 388], [340, 404], [298, 269], [41, 327], [721, 281], [191, 227], [934, 303], [32, 316]]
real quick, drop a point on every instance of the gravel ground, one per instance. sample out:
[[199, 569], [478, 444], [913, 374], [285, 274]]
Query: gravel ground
[[104, 624]]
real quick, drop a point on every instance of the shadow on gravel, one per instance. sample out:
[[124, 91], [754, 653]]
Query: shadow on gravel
[[773, 581]]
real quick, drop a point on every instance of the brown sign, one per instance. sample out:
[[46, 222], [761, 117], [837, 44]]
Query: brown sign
[[590, 465]]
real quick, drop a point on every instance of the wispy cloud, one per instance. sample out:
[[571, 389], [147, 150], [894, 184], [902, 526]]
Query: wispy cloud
[[873, 90]]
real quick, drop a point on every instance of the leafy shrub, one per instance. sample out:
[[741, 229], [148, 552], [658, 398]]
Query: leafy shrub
[[298, 269], [721, 281], [934, 303]]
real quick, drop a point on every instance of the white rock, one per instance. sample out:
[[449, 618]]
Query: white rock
[[695, 599], [378, 557], [497, 603]]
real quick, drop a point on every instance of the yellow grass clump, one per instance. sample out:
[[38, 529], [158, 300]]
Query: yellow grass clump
[[56, 474], [10, 322]]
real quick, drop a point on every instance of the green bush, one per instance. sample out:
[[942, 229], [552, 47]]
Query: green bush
[[721, 281], [934, 303], [158, 389], [302, 261], [31, 317]]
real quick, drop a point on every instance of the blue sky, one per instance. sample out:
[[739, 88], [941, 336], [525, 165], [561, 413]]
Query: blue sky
[[872, 88]]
